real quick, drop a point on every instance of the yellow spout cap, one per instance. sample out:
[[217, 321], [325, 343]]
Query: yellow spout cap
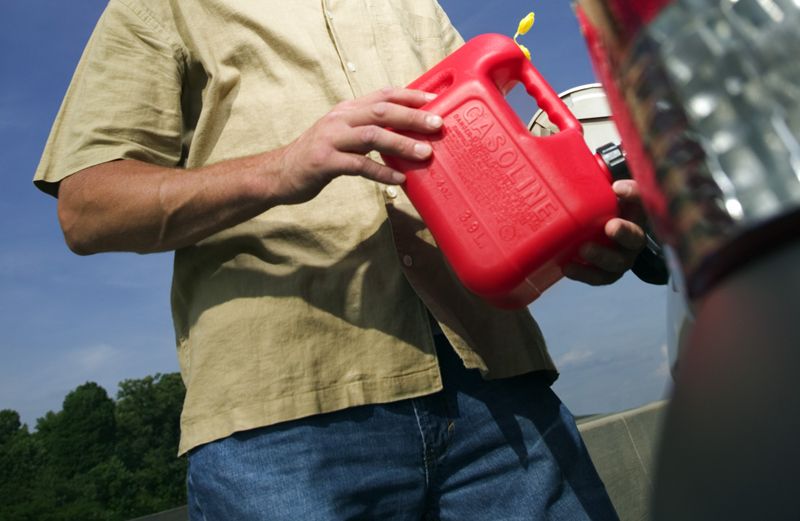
[[524, 26]]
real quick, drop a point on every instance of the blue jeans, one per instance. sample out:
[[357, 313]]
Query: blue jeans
[[478, 450]]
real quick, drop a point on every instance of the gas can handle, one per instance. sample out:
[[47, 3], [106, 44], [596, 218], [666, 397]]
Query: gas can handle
[[547, 99]]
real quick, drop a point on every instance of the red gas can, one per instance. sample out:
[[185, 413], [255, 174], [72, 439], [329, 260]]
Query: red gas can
[[507, 209]]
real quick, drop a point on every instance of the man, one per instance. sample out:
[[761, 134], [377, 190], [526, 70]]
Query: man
[[334, 367]]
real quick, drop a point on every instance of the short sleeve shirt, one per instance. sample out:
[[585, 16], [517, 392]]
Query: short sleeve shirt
[[306, 308]]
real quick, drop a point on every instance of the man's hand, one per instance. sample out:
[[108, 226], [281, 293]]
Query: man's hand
[[605, 264], [338, 143]]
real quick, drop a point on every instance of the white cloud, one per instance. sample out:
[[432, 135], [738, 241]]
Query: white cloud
[[573, 358], [663, 369], [98, 359], [101, 363], [36, 384]]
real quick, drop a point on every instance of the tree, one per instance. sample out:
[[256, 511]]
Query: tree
[[96, 460], [9, 424], [148, 421], [20, 462], [83, 434]]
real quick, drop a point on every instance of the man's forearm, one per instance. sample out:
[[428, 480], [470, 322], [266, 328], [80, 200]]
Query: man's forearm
[[134, 206]]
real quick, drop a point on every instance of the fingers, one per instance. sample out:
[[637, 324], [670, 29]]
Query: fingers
[[366, 167], [360, 126], [626, 234], [398, 117], [368, 117], [334, 162], [630, 200], [612, 260], [627, 241], [605, 264], [337, 144], [362, 140], [407, 97], [627, 190], [391, 107]]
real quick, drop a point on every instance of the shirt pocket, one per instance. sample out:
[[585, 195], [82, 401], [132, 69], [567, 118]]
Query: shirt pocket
[[409, 41], [419, 28]]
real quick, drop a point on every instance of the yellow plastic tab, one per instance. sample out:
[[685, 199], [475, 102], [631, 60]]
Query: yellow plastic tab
[[524, 26]]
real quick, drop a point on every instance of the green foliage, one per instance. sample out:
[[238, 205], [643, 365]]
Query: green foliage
[[148, 423], [9, 424], [96, 459], [82, 435]]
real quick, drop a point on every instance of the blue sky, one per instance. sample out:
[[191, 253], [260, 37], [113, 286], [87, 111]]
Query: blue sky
[[65, 319]]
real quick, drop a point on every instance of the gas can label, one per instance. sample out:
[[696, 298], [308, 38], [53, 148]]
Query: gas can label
[[495, 172]]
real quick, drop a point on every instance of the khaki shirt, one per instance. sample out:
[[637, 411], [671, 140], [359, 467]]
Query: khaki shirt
[[308, 308]]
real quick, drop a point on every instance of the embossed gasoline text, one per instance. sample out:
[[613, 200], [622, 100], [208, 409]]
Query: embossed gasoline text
[[497, 177]]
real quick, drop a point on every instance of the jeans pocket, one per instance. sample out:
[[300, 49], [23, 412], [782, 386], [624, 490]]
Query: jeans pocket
[[196, 512]]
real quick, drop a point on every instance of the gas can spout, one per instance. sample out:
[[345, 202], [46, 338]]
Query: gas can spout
[[611, 159], [524, 26]]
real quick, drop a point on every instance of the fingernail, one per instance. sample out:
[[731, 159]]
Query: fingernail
[[398, 178], [433, 121], [422, 149], [430, 96]]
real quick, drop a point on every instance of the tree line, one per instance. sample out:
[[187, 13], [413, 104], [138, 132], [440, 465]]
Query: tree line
[[98, 458]]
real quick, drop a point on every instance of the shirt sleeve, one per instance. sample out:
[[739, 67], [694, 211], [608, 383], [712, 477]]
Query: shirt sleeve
[[124, 101]]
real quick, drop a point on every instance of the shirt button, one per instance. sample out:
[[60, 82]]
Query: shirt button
[[391, 192], [408, 261], [351, 66], [329, 15]]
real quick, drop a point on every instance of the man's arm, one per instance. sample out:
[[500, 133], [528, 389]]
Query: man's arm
[[129, 205]]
